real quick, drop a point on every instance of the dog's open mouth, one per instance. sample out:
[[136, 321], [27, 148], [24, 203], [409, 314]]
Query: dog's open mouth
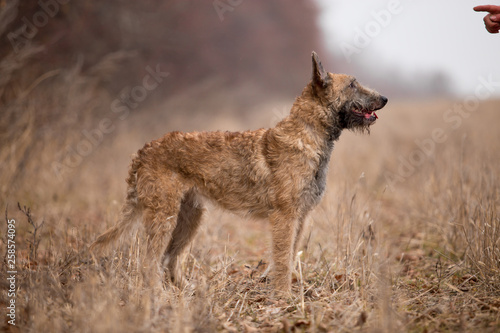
[[366, 114]]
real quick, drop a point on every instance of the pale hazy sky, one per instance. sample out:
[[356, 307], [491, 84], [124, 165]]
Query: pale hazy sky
[[423, 35]]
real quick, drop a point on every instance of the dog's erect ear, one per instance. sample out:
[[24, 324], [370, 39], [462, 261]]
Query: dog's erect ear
[[319, 76]]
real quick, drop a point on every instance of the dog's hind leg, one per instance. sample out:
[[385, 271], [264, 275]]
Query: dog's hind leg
[[188, 220], [159, 224], [161, 197]]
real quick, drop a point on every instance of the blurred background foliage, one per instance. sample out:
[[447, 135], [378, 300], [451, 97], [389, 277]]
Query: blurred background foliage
[[259, 41]]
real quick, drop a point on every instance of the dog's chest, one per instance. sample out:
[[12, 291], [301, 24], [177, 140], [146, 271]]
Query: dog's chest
[[317, 185]]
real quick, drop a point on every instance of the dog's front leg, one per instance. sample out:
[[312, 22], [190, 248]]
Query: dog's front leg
[[283, 235]]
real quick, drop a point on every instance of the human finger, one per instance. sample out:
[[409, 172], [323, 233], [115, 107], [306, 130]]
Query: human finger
[[485, 8]]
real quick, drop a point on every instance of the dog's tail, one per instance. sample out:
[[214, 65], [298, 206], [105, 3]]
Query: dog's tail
[[130, 215]]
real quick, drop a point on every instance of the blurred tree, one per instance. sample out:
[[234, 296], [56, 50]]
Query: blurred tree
[[268, 42]]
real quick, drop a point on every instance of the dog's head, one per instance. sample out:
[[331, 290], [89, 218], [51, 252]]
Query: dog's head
[[352, 106]]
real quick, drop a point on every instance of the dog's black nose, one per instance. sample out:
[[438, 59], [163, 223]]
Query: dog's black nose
[[384, 100]]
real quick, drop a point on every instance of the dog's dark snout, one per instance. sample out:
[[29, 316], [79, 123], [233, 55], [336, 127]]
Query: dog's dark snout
[[384, 100]]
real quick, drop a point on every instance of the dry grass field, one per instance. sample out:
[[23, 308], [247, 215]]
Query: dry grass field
[[406, 239]]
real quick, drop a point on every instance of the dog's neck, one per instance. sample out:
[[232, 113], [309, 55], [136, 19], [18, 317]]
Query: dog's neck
[[313, 117]]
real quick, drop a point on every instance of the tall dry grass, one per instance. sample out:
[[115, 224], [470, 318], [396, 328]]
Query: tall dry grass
[[420, 256]]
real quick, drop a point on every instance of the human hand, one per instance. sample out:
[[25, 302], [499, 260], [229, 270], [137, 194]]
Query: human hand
[[492, 20]]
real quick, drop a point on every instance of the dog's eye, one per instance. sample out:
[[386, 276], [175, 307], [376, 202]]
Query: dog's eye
[[352, 85]]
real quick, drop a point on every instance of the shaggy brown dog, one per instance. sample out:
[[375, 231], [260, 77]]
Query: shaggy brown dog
[[277, 173]]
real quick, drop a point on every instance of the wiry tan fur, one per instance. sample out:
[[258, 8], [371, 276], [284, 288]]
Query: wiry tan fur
[[277, 173]]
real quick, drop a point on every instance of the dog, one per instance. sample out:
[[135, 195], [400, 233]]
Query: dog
[[277, 174]]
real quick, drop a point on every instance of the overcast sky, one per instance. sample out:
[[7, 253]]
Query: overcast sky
[[414, 36]]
